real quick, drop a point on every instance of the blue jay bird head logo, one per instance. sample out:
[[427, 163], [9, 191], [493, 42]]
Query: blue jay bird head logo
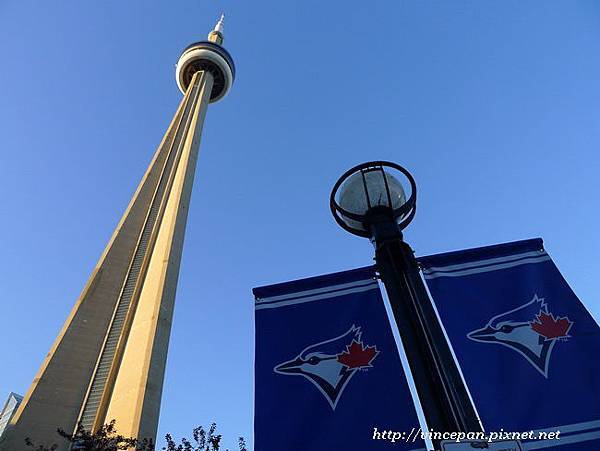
[[329, 365], [530, 329]]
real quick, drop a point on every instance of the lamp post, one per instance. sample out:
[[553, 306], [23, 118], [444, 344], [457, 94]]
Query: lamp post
[[370, 202]]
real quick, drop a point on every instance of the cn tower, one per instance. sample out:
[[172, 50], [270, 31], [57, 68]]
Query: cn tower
[[108, 361]]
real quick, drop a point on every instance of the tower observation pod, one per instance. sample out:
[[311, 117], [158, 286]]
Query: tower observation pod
[[108, 361], [209, 58]]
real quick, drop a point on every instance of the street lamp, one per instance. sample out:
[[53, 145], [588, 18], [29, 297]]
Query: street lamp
[[370, 201], [369, 197]]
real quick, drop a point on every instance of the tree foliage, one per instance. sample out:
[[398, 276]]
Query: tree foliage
[[107, 439], [203, 440]]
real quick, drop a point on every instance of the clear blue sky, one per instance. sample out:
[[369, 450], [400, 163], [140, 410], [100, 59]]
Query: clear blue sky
[[494, 106]]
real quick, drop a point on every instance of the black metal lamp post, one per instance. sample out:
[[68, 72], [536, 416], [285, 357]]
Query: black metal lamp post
[[370, 202]]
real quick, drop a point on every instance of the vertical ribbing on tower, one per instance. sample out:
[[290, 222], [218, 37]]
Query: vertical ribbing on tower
[[101, 386]]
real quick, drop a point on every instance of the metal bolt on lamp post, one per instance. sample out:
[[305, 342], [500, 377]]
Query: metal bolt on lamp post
[[370, 202]]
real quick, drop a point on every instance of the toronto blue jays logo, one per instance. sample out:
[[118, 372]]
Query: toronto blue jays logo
[[531, 330], [330, 364]]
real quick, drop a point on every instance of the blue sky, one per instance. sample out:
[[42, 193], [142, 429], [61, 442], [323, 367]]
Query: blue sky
[[492, 105]]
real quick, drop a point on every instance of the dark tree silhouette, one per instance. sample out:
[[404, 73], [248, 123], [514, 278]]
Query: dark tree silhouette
[[107, 439], [203, 441]]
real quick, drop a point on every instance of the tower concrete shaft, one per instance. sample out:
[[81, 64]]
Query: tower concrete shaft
[[108, 361]]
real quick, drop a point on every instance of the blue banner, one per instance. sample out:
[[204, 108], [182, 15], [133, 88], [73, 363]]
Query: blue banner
[[528, 348], [327, 371]]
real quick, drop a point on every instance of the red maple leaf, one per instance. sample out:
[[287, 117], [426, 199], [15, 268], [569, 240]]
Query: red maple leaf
[[357, 355], [547, 326]]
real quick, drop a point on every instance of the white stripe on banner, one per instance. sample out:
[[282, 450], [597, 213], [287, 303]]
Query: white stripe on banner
[[328, 288], [487, 261], [318, 297], [575, 438], [576, 427], [466, 272]]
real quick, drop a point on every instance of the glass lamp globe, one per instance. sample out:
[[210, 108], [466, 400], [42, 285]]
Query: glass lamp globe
[[353, 197]]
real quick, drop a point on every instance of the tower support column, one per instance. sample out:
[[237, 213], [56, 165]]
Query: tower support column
[[137, 373], [109, 360]]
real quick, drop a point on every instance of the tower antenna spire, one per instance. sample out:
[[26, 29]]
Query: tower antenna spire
[[216, 35]]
